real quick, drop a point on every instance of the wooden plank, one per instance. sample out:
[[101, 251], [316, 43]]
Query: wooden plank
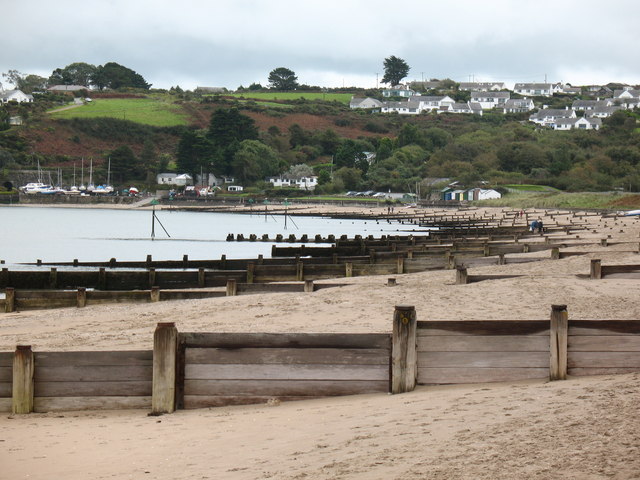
[[579, 371], [622, 276], [6, 374], [484, 327], [483, 359], [5, 405], [6, 359], [483, 343], [200, 401], [96, 358], [604, 359], [283, 387], [286, 372], [287, 340], [604, 343], [92, 389], [604, 327], [6, 389], [361, 356], [94, 373], [48, 404], [439, 376]]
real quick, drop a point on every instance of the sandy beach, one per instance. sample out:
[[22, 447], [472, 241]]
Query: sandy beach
[[582, 428]]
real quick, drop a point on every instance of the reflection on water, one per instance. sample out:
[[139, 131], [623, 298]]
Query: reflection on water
[[64, 234]]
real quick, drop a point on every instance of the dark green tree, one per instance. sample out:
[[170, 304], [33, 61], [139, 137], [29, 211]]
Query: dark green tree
[[124, 165], [227, 129], [283, 79], [254, 161], [194, 152], [395, 69], [78, 73], [113, 75]]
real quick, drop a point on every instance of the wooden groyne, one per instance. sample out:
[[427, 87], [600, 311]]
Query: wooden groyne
[[208, 369]]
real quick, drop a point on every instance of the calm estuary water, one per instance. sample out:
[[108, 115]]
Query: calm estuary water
[[62, 234]]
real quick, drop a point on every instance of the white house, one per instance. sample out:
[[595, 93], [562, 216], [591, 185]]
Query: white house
[[364, 103], [398, 91], [489, 100], [518, 105], [602, 111], [174, 179], [15, 96], [468, 107], [433, 102], [535, 89], [303, 183], [549, 116], [582, 123], [404, 108]]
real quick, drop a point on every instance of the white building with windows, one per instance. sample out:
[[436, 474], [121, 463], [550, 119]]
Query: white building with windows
[[19, 96]]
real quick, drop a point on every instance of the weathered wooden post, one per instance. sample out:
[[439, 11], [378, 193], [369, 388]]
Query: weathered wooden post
[[525, 248], [75, 262], [451, 261], [155, 294], [410, 253], [250, 272], [391, 282], [53, 278], [334, 258], [185, 261], [404, 355], [223, 262], [308, 286], [201, 277], [299, 271], [23, 370], [102, 279], [400, 264], [555, 253], [559, 330], [112, 263], [461, 275], [165, 348], [372, 256], [348, 269], [501, 259], [260, 259], [148, 261], [232, 287], [486, 250], [9, 299], [81, 297], [603, 242], [152, 277], [595, 272]]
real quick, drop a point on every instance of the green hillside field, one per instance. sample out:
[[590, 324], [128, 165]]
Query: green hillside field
[[344, 98], [149, 111]]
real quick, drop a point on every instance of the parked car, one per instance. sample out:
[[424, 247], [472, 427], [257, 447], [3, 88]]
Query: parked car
[[379, 195]]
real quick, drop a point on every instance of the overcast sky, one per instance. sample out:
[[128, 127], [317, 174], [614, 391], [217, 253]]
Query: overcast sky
[[329, 43]]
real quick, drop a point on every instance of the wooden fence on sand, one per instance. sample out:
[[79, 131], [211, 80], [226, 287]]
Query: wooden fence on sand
[[193, 370]]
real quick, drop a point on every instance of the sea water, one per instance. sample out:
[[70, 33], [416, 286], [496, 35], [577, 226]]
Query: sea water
[[96, 234]]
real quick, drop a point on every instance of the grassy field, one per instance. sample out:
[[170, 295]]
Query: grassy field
[[265, 96], [149, 111], [530, 188], [607, 201]]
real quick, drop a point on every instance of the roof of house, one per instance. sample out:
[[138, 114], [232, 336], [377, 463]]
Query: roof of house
[[532, 86], [67, 88], [491, 94], [357, 101], [553, 112]]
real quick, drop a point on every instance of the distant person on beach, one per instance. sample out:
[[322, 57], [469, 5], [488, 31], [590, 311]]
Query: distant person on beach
[[534, 226], [540, 226]]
